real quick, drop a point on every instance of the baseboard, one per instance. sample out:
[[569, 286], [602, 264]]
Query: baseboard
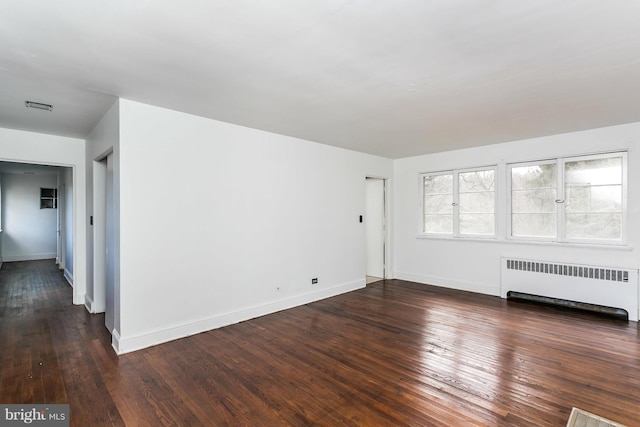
[[115, 341], [88, 303], [31, 257], [92, 306], [69, 276], [451, 284], [124, 345]]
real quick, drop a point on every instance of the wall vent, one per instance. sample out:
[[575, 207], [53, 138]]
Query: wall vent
[[38, 105], [598, 273]]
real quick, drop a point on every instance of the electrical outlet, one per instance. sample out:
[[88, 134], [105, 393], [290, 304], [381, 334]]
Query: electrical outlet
[[314, 281]]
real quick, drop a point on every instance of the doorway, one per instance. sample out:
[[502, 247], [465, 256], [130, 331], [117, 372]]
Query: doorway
[[37, 214], [103, 239], [375, 229]]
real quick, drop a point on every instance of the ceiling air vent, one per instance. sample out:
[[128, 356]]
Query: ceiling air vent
[[38, 105]]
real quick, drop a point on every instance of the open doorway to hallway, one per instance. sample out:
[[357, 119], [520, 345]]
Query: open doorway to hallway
[[104, 239], [375, 229], [36, 214]]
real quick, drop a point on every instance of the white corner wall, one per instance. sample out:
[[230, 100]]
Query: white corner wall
[[29, 233], [32, 147], [475, 265], [220, 223]]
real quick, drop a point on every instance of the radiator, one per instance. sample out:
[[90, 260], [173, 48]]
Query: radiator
[[602, 286]]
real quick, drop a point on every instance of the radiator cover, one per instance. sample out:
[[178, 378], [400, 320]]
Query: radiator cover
[[605, 286]]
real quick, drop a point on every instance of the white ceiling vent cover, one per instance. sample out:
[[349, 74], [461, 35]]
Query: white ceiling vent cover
[[38, 105]]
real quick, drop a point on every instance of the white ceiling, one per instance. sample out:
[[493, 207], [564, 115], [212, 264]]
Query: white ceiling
[[393, 78]]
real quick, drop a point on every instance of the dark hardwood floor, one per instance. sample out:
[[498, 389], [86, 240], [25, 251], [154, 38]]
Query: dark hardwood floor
[[395, 353]]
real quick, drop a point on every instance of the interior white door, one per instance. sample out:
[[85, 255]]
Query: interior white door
[[374, 227]]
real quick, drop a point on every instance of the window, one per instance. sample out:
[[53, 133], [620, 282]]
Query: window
[[459, 203], [593, 198], [48, 198], [533, 196], [579, 199], [438, 203]]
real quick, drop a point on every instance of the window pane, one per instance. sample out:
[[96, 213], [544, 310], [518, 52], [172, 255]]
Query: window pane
[[438, 184], [594, 172], [593, 198], [477, 224], [476, 199], [438, 224], [533, 195], [534, 201], [477, 202], [533, 225], [438, 203], [607, 198], [476, 181], [534, 176], [595, 225]]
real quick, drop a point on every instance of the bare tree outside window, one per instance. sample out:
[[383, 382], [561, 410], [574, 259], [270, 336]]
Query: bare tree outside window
[[438, 203], [533, 195], [477, 202], [459, 203]]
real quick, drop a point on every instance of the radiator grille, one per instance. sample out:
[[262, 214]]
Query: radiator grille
[[596, 273]]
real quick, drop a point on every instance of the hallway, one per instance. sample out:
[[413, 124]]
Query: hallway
[[46, 341]]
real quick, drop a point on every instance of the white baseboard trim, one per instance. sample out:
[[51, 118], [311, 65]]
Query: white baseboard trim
[[92, 306], [79, 298], [88, 303], [69, 277], [124, 345], [31, 257], [115, 341], [443, 282]]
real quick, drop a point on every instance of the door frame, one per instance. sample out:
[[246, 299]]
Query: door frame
[[386, 187], [99, 229]]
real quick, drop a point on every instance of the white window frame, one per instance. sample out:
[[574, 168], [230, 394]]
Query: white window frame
[[455, 232], [560, 198], [421, 186], [509, 219]]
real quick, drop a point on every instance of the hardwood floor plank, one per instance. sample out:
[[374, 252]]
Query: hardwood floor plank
[[394, 353]]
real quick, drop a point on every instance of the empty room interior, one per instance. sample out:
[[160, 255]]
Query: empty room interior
[[320, 213]]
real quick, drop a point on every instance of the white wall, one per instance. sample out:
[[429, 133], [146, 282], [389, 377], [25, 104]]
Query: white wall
[[31, 147], [475, 265], [220, 223], [30, 233]]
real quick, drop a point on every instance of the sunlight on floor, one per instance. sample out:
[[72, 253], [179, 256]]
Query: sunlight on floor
[[371, 279]]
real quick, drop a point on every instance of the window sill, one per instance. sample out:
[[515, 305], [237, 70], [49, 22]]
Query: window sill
[[606, 246]]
